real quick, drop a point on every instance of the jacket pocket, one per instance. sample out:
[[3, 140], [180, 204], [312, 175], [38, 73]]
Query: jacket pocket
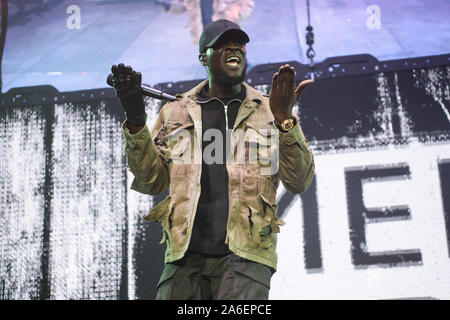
[[269, 208], [178, 141], [260, 227], [160, 212], [259, 274], [259, 231], [272, 222], [262, 147]]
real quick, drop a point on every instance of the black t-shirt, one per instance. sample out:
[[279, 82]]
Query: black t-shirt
[[209, 229]]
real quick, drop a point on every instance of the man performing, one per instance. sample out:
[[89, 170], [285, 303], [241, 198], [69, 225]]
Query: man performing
[[219, 221]]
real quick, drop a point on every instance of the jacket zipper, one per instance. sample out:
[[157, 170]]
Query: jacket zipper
[[225, 107]]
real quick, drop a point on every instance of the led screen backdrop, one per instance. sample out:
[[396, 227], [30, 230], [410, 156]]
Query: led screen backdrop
[[71, 44], [375, 223], [63, 208]]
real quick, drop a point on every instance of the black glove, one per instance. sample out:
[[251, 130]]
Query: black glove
[[127, 84]]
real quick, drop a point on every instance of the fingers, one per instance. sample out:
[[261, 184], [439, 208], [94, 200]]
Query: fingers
[[121, 69], [290, 78], [138, 78], [284, 78], [114, 70], [121, 72], [110, 80], [123, 77], [283, 85], [275, 80], [135, 78], [301, 86]]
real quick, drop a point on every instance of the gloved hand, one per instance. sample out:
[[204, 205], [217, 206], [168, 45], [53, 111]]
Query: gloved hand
[[127, 84]]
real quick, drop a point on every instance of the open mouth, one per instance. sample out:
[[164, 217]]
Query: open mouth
[[233, 61]]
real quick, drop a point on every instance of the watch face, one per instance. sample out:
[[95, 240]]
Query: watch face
[[288, 125]]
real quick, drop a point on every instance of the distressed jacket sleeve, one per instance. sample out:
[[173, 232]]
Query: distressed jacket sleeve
[[150, 170], [296, 166]]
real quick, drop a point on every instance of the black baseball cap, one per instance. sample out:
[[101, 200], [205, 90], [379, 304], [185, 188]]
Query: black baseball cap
[[213, 31]]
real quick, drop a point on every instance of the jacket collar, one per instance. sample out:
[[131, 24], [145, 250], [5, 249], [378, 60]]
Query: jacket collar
[[194, 93], [251, 102]]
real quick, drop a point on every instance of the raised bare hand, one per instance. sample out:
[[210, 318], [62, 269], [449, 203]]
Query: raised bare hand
[[283, 94]]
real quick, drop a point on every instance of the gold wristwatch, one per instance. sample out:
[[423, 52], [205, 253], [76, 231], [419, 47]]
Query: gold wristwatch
[[287, 125]]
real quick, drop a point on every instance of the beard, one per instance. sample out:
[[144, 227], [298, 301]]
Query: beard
[[222, 78]]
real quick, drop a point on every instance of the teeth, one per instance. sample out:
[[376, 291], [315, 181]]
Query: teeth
[[233, 59]]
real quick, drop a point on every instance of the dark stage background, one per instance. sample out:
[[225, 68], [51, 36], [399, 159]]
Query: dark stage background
[[373, 225]]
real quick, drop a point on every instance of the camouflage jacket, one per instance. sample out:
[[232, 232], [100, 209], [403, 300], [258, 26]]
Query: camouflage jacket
[[170, 156]]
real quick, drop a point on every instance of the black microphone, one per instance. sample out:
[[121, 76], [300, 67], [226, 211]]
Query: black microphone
[[147, 91], [157, 94]]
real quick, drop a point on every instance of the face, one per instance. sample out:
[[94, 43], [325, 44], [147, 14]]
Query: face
[[227, 61]]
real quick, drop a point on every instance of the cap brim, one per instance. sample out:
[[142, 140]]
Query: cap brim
[[238, 32]]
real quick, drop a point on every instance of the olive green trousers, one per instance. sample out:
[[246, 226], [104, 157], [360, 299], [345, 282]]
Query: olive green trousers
[[200, 277]]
